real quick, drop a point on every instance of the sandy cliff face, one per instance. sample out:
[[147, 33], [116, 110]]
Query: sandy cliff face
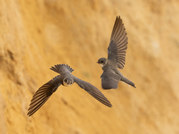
[[35, 35]]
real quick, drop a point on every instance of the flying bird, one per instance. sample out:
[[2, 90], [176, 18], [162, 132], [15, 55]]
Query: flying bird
[[116, 58], [65, 78]]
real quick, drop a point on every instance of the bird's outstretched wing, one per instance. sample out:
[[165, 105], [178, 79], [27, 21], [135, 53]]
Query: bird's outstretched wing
[[43, 93], [118, 44], [92, 90], [62, 68]]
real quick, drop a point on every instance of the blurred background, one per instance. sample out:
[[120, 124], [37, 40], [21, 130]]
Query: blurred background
[[34, 35]]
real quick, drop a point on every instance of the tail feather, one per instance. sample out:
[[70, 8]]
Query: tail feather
[[128, 81], [60, 68]]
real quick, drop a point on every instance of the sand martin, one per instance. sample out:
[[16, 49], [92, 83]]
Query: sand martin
[[116, 58], [65, 78]]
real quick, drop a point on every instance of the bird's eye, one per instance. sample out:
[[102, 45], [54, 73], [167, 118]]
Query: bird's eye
[[65, 80], [102, 62]]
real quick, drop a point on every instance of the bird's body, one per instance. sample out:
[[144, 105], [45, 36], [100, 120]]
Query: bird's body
[[65, 78], [116, 58], [111, 77]]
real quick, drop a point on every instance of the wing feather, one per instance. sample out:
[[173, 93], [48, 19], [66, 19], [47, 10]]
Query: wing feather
[[43, 93], [118, 44], [93, 91]]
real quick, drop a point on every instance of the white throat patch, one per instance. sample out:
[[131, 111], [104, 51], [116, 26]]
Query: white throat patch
[[101, 65]]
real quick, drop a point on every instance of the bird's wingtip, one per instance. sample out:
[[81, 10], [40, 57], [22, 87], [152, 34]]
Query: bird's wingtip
[[110, 105]]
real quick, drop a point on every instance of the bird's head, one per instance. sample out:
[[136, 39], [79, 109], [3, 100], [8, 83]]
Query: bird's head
[[102, 61], [67, 81]]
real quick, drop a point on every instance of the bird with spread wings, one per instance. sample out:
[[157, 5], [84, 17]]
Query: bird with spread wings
[[65, 78], [116, 58]]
